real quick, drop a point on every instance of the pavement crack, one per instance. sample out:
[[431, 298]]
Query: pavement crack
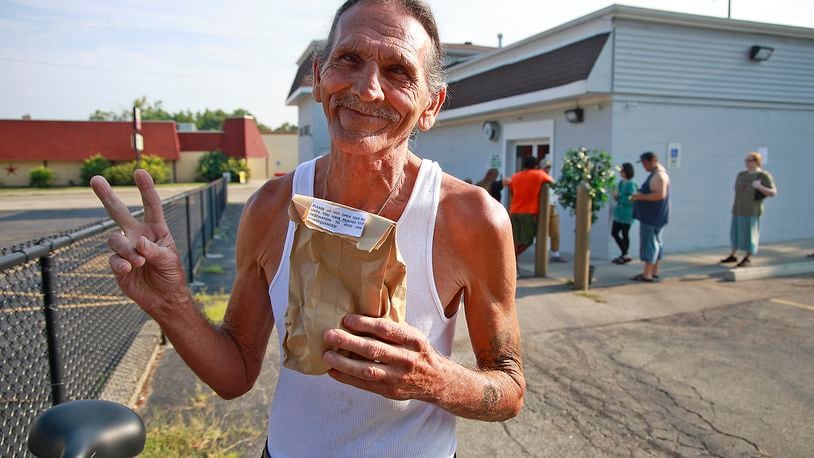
[[519, 443]]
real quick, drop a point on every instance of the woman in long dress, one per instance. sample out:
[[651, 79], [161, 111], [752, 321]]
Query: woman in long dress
[[752, 187]]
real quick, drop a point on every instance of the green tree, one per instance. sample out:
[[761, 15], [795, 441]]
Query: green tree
[[286, 127], [156, 167], [120, 175], [213, 164], [204, 120], [41, 177], [593, 168], [92, 166], [100, 115]]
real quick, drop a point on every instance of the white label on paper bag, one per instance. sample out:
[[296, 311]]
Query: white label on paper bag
[[338, 220]]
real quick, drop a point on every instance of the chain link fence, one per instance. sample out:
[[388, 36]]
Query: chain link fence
[[65, 326]]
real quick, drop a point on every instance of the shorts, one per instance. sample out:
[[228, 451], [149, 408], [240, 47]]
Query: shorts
[[524, 228], [651, 245]]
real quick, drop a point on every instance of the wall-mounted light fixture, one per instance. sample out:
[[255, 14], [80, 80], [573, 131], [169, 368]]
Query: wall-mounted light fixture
[[760, 53], [576, 115]]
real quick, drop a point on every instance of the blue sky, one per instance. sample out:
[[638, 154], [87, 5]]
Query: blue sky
[[64, 59]]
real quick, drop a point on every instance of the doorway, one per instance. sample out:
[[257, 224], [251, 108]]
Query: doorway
[[539, 149]]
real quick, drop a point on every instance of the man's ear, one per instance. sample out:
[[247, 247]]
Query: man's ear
[[315, 79], [427, 119]]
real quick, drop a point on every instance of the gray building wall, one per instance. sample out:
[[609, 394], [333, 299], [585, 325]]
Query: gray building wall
[[715, 139], [694, 62]]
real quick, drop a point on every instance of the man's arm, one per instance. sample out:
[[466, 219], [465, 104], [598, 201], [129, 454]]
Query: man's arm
[[149, 271], [658, 189], [398, 361], [230, 357]]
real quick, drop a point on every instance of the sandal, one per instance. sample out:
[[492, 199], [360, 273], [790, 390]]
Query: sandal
[[640, 277], [729, 259]]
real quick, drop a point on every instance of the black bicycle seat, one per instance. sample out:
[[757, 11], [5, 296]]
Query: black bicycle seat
[[85, 429]]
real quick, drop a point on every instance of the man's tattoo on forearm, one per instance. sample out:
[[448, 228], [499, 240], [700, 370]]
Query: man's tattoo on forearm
[[491, 397]]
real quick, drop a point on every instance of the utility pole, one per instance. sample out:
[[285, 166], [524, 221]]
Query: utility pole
[[138, 140], [729, 9]]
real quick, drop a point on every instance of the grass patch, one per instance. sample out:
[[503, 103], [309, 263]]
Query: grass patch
[[592, 296], [213, 305], [198, 433], [216, 269]]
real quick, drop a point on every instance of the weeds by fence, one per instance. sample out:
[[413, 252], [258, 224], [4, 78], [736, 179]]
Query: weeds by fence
[[64, 324]]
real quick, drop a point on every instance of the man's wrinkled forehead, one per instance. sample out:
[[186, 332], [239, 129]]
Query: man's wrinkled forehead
[[369, 24]]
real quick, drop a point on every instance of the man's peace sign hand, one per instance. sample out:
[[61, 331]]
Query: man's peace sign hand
[[145, 262]]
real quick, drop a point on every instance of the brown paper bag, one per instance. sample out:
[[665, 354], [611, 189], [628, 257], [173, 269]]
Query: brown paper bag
[[343, 261]]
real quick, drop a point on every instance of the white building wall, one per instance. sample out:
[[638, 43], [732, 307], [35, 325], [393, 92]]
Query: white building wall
[[693, 62], [715, 139], [305, 150], [313, 140]]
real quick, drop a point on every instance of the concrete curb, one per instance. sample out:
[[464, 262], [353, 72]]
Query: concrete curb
[[128, 379], [778, 270]]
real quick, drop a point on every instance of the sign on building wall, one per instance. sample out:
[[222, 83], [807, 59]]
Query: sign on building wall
[[496, 161], [764, 152], [673, 155]]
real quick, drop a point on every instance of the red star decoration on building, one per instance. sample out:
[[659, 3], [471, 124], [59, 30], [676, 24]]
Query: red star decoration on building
[[11, 170]]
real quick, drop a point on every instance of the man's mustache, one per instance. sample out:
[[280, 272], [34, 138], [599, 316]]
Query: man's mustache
[[353, 103]]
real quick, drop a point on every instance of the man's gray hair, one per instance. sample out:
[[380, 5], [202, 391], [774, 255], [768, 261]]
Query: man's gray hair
[[419, 9]]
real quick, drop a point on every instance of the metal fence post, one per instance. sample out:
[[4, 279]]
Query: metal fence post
[[203, 221], [541, 248], [190, 260], [225, 190], [52, 330], [582, 251]]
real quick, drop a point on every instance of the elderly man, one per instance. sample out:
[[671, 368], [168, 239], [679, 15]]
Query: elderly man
[[378, 78], [652, 208]]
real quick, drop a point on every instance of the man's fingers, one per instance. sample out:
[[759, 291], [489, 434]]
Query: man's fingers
[[366, 347], [119, 265], [115, 207], [383, 328], [156, 255], [125, 248], [153, 211], [364, 370]]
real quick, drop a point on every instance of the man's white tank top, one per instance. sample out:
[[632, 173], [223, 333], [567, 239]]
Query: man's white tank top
[[317, 416]]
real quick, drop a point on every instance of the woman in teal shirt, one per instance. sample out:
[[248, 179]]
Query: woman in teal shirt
[[623, 213]]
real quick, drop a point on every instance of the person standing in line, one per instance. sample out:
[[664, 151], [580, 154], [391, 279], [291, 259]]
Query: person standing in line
[[652, 209], [492, 184], [525, 206], [752, 186], [553, 220], [623, 213]]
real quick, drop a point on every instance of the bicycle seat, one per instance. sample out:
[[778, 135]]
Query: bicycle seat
[[84, 429]]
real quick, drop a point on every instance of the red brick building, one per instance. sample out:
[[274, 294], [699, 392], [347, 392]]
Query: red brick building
[[63, 145]]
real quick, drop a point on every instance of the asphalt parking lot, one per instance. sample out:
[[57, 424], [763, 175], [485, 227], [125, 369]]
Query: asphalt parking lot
[[719, 370]]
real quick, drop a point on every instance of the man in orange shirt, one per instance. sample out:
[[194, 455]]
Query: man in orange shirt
[[525, 186]]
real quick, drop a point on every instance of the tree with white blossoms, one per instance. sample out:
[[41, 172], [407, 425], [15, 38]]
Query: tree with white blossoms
[[592, 167]]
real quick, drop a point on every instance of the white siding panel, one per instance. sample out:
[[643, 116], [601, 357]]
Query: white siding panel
[[674, 61], [715, 139]]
